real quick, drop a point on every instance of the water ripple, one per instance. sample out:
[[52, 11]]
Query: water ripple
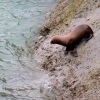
[[19, 22]]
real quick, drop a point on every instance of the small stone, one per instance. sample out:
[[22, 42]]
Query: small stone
[[40, 37]]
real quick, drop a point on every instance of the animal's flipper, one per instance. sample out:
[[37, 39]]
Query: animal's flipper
[[74, 52], [87, 38]]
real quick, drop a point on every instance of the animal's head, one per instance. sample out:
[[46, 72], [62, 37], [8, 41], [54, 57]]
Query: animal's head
[[55, 40]]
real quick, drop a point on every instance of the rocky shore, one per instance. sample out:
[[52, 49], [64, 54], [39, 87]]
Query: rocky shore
[[71, 78]]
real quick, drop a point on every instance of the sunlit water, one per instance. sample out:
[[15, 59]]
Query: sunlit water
[[19, 22]]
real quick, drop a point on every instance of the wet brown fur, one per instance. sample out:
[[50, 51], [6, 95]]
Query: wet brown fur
[[73, 38]]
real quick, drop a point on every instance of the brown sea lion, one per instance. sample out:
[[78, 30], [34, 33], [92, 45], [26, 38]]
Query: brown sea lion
[[72, 39]]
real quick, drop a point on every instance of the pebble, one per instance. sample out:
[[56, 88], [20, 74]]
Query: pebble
[[40, 37]]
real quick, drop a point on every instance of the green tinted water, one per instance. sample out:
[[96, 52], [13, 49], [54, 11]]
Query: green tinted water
[[19, 22]]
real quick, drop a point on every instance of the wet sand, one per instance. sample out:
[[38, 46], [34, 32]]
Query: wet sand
[[73, 78]]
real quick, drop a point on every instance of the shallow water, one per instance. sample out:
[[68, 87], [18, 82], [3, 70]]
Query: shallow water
[[19, 22]]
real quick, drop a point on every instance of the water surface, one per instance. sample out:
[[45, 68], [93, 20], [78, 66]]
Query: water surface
[[19, 22]]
